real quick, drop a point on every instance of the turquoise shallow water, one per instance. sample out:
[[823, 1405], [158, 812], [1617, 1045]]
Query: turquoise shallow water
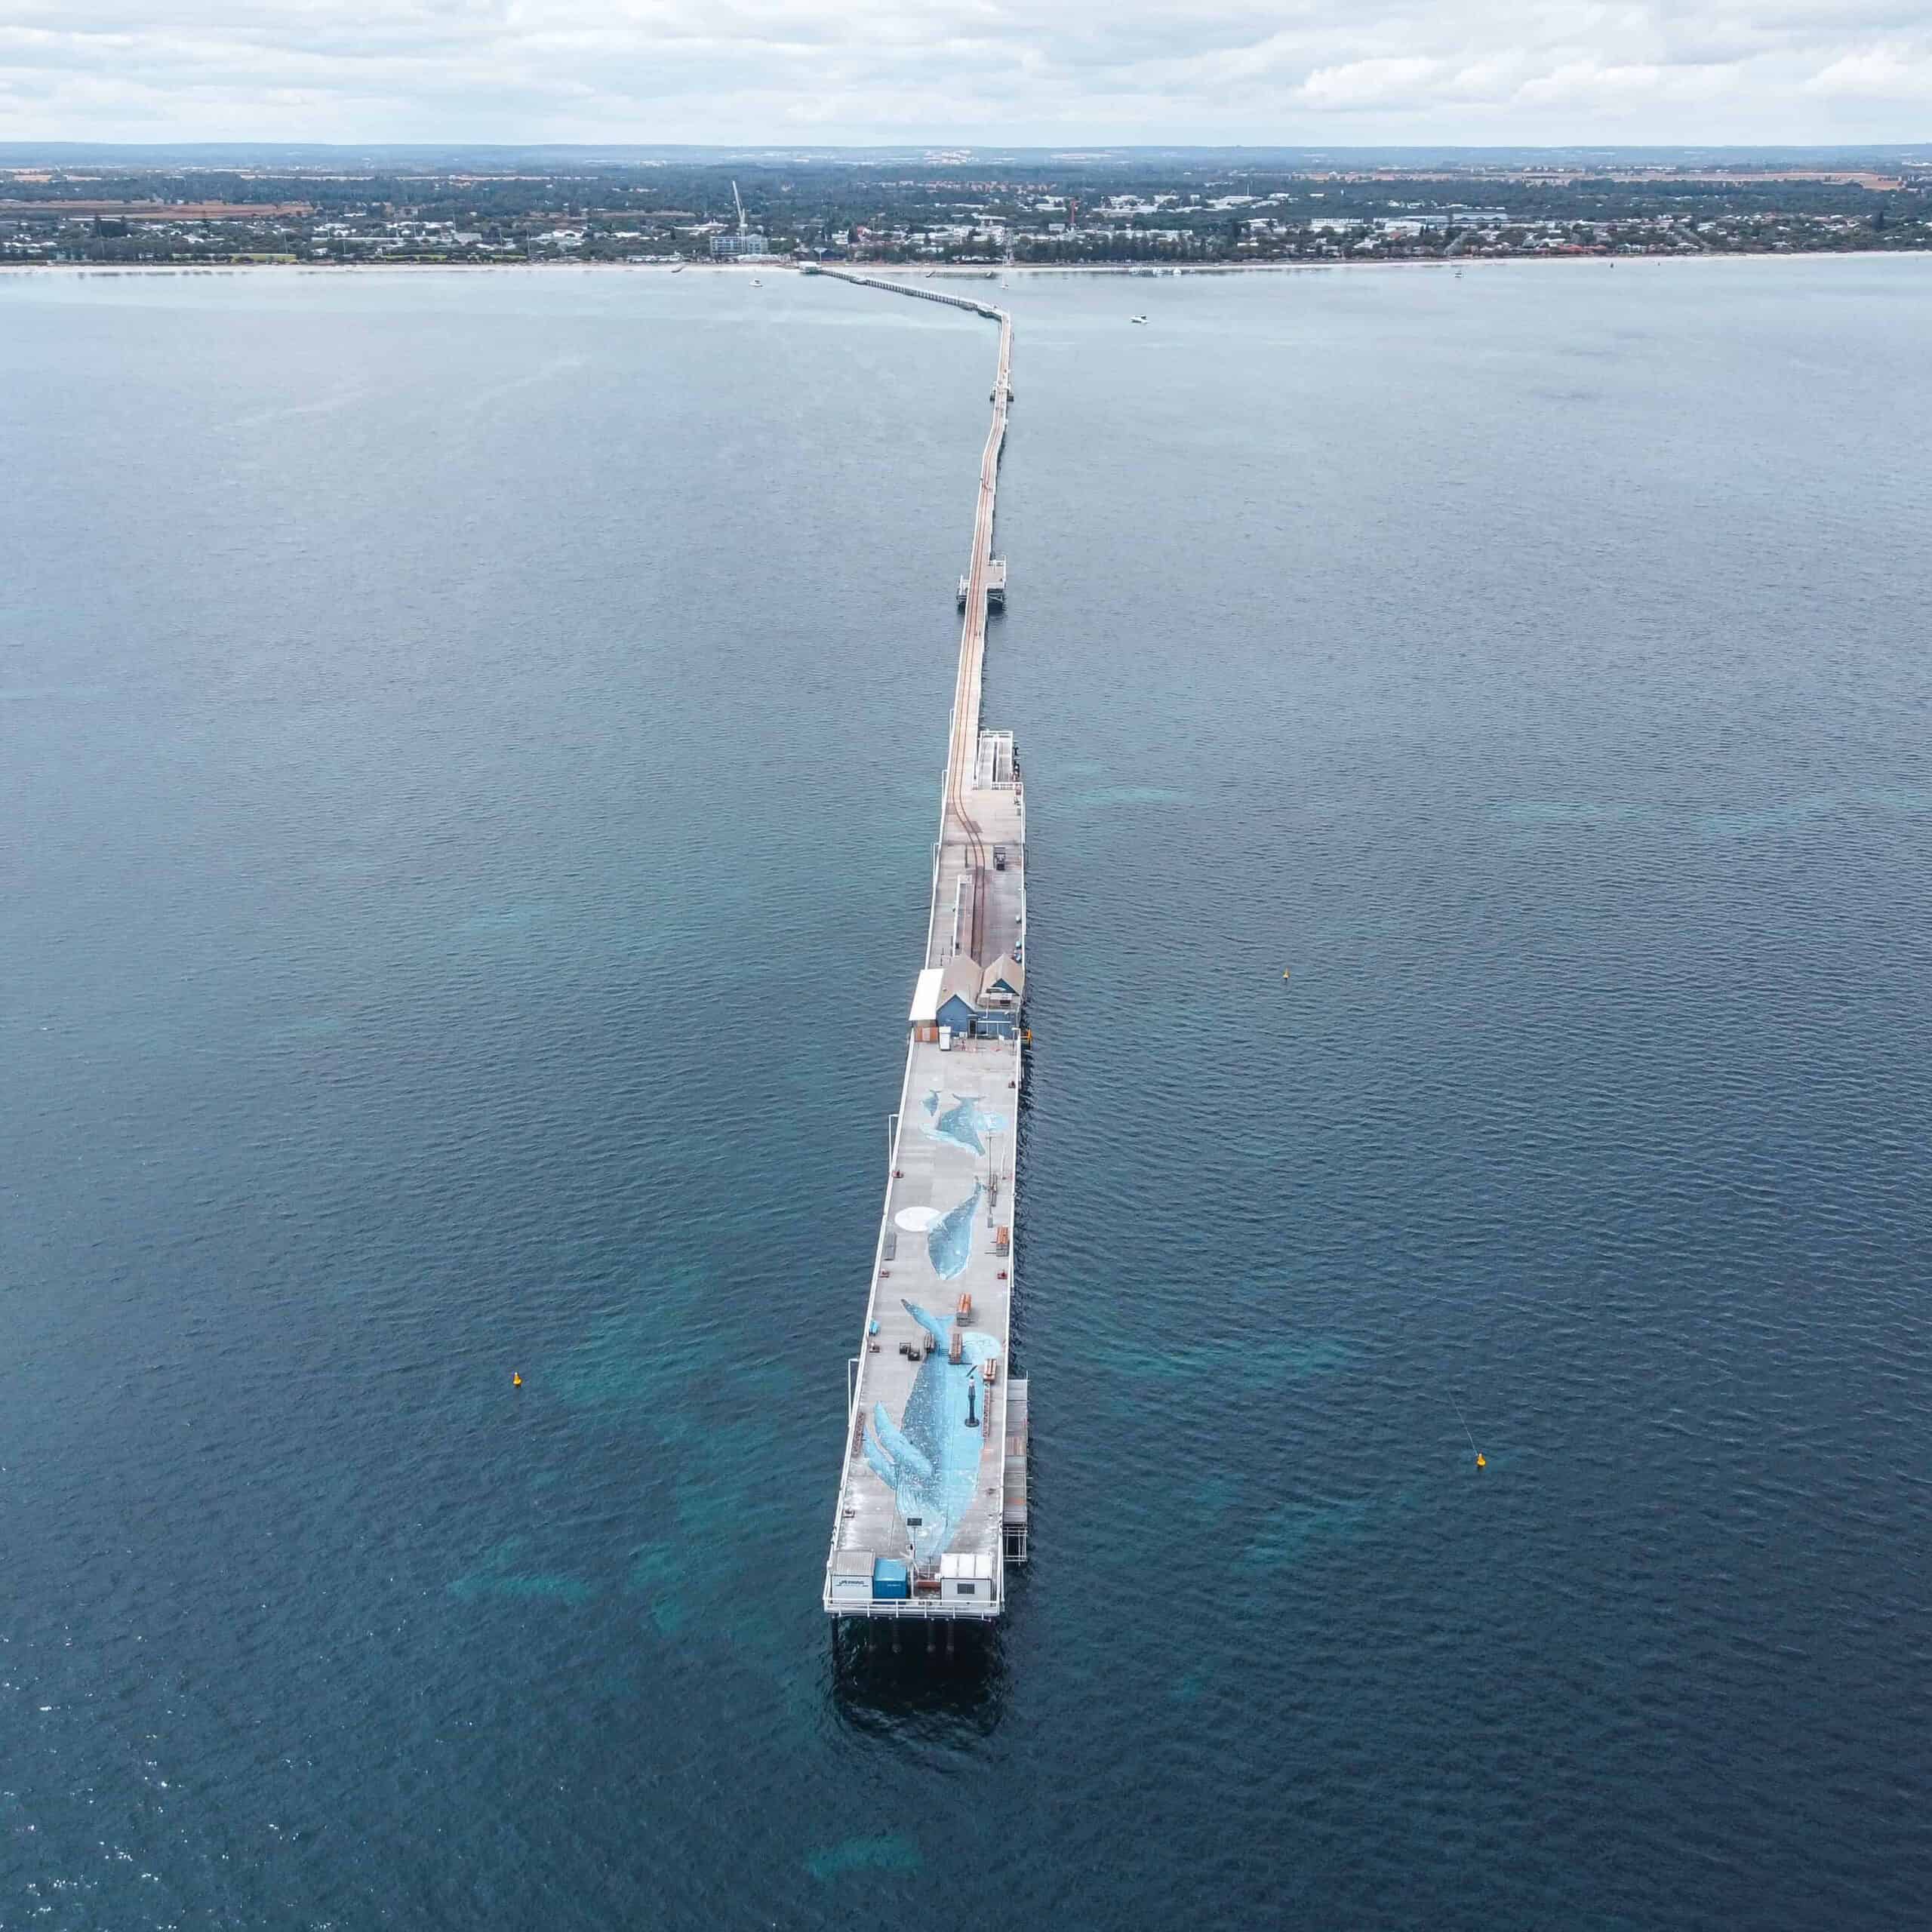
[[446, 724]]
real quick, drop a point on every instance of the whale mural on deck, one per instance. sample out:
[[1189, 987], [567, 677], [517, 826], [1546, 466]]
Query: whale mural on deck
[[965, 1124], [931, 1464], [949, 1239]]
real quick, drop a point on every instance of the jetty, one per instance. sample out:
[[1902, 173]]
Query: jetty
[[931, 1512]]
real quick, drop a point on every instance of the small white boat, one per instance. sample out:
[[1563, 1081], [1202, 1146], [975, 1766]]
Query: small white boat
[[1139, 321], [756, 283]]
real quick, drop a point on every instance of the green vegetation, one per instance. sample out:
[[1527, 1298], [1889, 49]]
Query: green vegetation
[[1181, 207]]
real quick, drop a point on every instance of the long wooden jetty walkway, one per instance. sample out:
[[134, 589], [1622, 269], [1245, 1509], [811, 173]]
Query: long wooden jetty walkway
[[932, 1493]]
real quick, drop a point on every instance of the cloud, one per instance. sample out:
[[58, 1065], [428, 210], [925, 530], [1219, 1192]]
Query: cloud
[[1878, 74], [1317, 72], [1590, 86], [1368, 84]]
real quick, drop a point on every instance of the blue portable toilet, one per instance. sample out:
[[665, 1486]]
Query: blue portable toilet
[[890, 1579]]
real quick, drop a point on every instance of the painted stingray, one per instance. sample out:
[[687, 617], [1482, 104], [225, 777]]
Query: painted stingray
[[932, 1464]]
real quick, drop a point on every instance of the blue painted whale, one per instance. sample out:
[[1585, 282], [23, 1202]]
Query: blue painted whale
[[949, 1239], [931, 1464], [964, 1124]]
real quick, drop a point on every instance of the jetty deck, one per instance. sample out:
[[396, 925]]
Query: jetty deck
[[932, 1496]]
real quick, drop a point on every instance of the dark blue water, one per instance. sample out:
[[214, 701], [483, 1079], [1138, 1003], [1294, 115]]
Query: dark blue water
[[468, 752]]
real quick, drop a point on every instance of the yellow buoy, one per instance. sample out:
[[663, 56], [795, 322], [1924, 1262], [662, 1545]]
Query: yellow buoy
[[1285, 973], [1482, 1461], [516, 1380]]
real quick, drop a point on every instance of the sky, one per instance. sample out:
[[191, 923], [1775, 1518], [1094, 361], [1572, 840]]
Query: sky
[[1046, 72]]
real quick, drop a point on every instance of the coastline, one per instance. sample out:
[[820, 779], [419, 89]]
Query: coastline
[[1142, 271]]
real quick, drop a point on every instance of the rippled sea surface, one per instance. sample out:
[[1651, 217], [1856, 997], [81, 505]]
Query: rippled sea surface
[[469, 747]]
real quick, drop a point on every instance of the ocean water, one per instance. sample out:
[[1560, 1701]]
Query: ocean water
[[468, 748]]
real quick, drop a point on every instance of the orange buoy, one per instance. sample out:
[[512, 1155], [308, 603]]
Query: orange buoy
[[1482, 1461], [516, 1380]]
